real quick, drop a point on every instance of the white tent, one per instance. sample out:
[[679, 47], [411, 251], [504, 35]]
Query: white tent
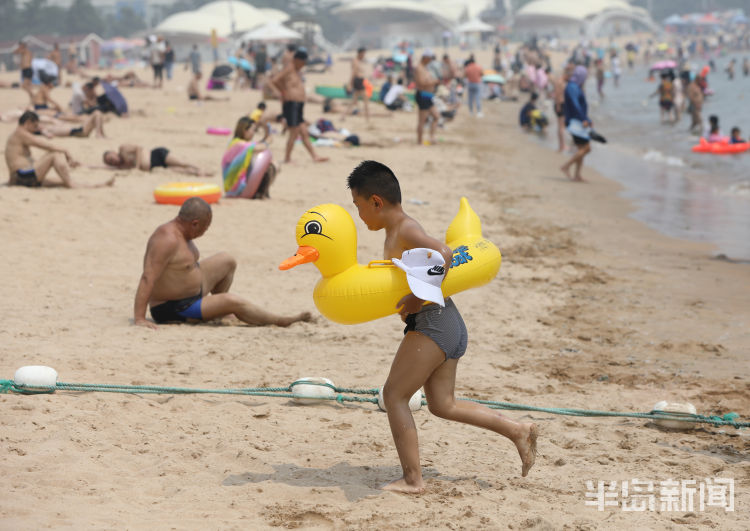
[[274, 15], [272, 31], [566, 10], [475, 26], [192, 23], [227, 17]]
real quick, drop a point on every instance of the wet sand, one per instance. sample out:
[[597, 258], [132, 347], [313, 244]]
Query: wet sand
[[591, 309]]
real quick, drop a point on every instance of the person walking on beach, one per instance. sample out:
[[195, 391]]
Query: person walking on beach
[[558, 95], [168, 59], [195, 60], [435, 337], [22, 50], [577, 121], [24, 171], [695, 97], [290, 89], [56, 57], [178, 287], [473, 75], [425, 84], [156, 56], [357, 84]]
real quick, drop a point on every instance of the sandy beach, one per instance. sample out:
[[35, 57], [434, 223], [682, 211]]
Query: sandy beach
[[591, 309]]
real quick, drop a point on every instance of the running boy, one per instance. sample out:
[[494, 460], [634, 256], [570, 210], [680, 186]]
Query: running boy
[[434, 339]]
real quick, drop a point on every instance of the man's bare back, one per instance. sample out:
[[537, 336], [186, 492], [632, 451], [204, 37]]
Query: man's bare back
[[394, 246]]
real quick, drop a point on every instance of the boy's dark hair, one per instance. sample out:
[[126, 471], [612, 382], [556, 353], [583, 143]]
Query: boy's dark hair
[[301, 54], [291, 47], [534, 96], [262, 105], [374, 178], [713, 119], [361, 49], [735, 130], [28, 115]]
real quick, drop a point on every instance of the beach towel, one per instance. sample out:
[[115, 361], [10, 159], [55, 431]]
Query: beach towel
[[235, 165]]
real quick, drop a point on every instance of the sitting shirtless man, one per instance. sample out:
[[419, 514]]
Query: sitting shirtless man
[[129, 156], [23, 171], [178, 287]]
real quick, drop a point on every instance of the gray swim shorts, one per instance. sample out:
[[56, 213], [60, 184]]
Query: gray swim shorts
[[443, 325]]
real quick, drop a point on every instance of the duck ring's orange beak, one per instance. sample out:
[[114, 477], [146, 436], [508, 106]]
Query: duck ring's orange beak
[[304, 255]]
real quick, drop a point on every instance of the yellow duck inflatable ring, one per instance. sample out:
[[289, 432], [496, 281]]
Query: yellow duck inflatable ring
[[351, 293]]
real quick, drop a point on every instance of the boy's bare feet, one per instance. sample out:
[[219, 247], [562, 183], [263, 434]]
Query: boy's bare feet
[[321, 159], [527, 448], [400, 485]]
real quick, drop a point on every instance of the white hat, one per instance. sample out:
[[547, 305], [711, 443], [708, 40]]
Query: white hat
[[428, 53], [424, 273]]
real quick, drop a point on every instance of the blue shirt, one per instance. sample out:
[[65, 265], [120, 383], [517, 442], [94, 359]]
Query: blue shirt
[[575, 105]]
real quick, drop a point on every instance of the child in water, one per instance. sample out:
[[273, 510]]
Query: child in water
[[736, 138], [713, 132], [434, 339]]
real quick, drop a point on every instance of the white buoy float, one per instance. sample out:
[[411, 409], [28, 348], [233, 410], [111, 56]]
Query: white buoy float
[[675, 409], [312, 390], [415, 402], [36, 378]]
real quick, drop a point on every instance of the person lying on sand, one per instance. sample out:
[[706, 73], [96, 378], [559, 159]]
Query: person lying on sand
[[129, 156], [22, 168], [177, 287], [194, 92]]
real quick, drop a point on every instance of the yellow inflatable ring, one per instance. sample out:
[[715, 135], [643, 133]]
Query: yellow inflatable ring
[[350, 293], [178, 193]]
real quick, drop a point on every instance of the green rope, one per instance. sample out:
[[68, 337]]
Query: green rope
[[341, 396]]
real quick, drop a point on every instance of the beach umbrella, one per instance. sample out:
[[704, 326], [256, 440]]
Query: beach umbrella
[[116, 98], [273, 31], [493, 78]]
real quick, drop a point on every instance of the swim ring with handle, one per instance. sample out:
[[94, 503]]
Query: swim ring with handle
[[350, 293], [177, 193]]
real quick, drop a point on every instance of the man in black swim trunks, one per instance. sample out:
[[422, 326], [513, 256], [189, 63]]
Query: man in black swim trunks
[[179, 288], [129, 156], [26, 72], [426, 84], [357, 82], [289, 88], [22, 168]]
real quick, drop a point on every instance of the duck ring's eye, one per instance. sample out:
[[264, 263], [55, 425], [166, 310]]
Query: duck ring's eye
[[313, 227]]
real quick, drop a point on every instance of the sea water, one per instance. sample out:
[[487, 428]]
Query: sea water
[[688, 195]]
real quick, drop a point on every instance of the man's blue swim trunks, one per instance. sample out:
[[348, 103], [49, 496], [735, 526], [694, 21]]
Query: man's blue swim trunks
[[179, 310]]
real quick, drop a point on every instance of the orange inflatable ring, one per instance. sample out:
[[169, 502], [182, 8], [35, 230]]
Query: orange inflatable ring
[[178, 193], [720, 148]]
